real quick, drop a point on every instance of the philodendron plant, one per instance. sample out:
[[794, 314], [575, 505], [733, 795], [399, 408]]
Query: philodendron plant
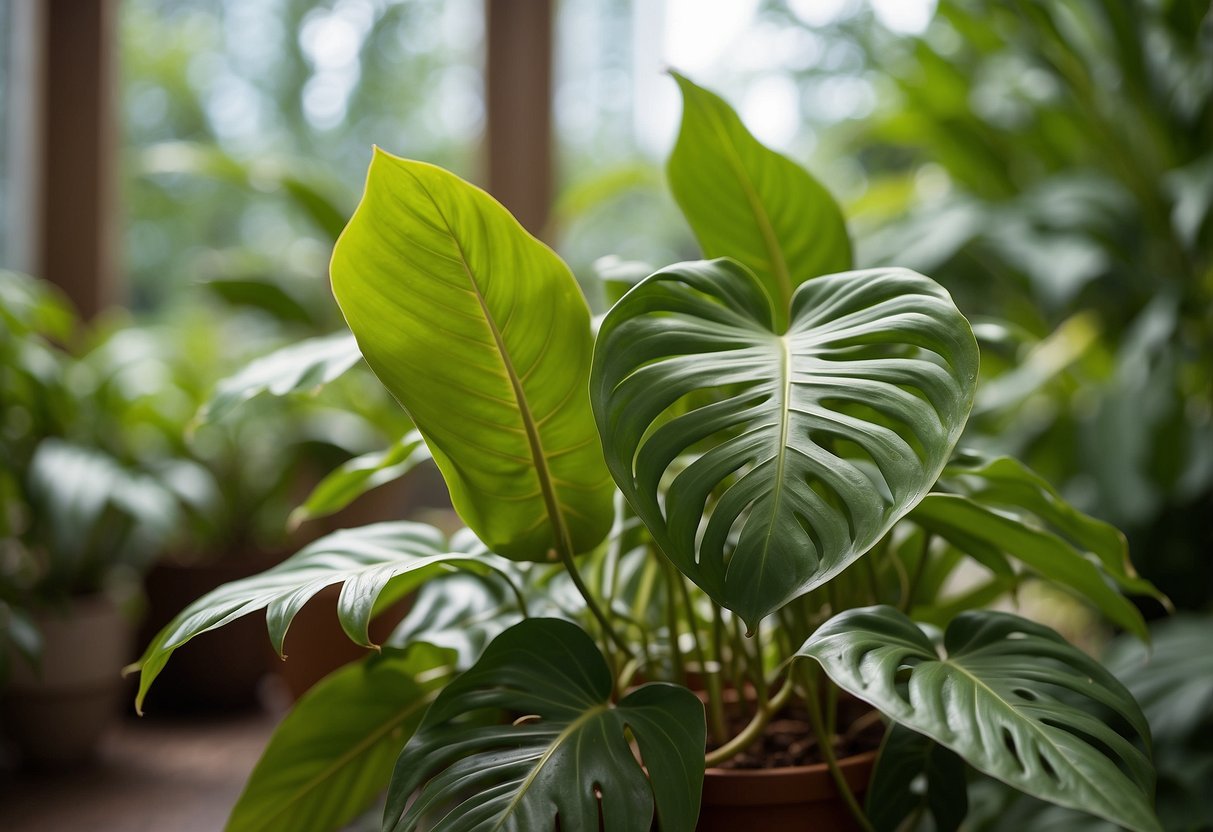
[[746, 483]]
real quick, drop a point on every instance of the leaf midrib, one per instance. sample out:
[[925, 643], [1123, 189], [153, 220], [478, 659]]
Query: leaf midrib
[[781, 453], [534, 441], [569, 730], [348, 757], [1033, 725], [779, 265]]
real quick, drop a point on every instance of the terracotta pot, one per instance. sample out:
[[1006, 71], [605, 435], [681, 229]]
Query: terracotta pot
[[219, 670], [799, 797], [58, 712], [316, 645]]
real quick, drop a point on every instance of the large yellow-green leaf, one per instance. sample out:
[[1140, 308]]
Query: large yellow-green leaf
[[801, 448], [745, 201], [332, 755], [481, 333]]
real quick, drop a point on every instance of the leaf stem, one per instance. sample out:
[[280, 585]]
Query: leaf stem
[[571, 567], [752, 731], [825, 742]]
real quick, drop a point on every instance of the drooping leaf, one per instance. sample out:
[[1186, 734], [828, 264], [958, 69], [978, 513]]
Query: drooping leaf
[[750, 203], [375, 564], [462, 613], [974, 528], [481, 333], [912, 772], [810, 445], [357, 476], [333, 754], [569, 761], [302, 366], [1007, 485], [1011, 697]]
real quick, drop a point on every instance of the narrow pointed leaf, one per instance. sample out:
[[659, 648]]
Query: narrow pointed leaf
[[357, 476], [569, 763], [375, 564], [808, 446], [1007, 485], [303, 366], [481, 333], [750, 203], [972, 527], [1010, 697], [332, 755]]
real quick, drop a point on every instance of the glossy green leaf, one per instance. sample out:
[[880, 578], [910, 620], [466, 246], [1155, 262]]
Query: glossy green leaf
[[974, 528], [332, 755], [807, 446], [1009, 696], [481, 332], [302, 366], [913, 774], [375, 564], [750, 203], [357, 476], [568, 762], [1008, 486]]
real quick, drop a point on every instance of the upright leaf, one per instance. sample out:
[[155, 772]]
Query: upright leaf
[[333, 753], [803, 448], [569, 762], [1009, 696], [375, 564], [480, 331], [750, 203]]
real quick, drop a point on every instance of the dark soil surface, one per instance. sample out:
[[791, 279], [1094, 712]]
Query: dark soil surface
[[789, 739]]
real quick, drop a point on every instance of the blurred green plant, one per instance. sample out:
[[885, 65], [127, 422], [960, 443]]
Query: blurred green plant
[[1052, 165]]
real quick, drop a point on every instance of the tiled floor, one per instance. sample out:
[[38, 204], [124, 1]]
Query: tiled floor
[[152, 775]]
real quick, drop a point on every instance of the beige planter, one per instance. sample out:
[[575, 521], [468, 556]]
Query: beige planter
[[58, 712]]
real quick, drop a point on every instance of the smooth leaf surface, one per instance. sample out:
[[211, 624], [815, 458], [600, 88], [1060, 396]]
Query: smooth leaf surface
[[332, 755], [974, 528], [357, 476], [481, 333], [375, 564], [303, 366], [914, 773], [1007, 485], [1009, 696], [807, 447], [569, 761], [750, 203]]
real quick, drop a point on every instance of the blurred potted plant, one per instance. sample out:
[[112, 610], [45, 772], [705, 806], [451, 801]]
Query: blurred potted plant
[[781, 432], [78, 530], [235, 470]]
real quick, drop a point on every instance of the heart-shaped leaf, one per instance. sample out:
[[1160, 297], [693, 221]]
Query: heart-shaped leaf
[[376, 565], [807, 446], [750, 203], [333, 753], [1009, 696], [566, 760], [481, 333]]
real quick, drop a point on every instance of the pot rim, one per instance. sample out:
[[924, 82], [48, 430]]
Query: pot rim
[[789, 784]]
